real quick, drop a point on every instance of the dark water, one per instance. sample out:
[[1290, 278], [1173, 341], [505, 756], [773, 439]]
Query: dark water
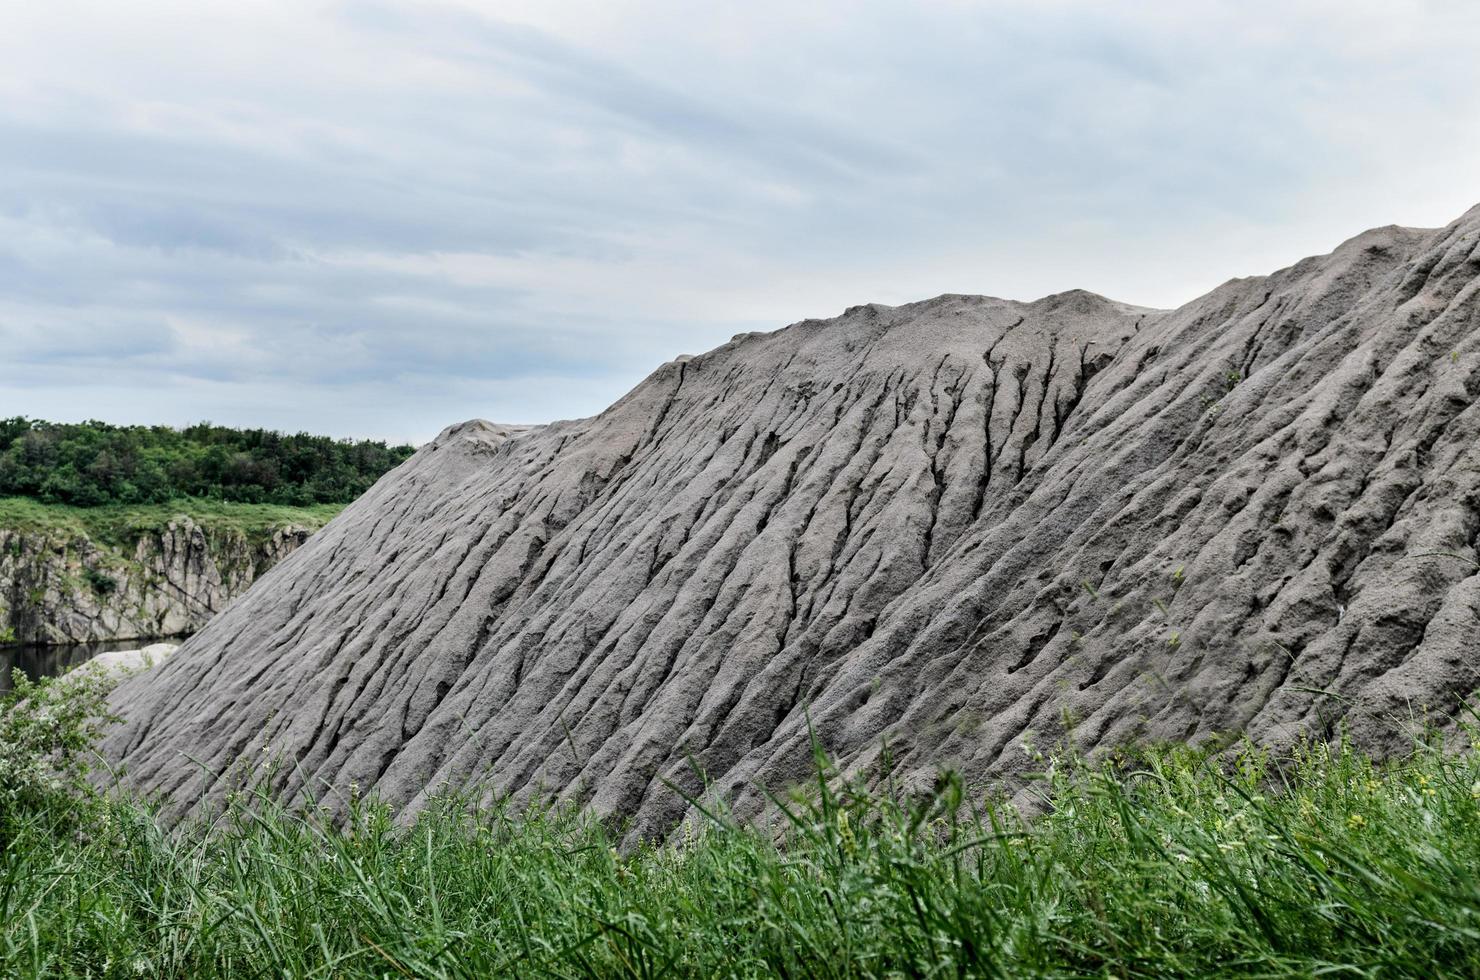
[[47, 661]]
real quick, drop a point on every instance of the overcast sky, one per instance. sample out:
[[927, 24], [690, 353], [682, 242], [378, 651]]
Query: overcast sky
[[377, 218]]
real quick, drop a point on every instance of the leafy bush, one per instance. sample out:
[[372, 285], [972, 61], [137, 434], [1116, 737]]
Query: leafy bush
[[100, 582], [47, 731]]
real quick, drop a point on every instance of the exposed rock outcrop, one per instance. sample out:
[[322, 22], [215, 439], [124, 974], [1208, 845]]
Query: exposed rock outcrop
[[66, 588], [949, 526]]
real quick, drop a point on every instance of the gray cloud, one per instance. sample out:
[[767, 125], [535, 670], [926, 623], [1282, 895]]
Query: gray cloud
[[375, 218]]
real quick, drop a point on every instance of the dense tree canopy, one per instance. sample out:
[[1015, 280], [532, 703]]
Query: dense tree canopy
[[93, 463]]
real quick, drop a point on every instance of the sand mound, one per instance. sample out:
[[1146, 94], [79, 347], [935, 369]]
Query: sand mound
[[951, 525]]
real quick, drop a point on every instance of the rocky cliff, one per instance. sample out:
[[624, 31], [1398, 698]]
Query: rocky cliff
[[64, 587], [948, 528]]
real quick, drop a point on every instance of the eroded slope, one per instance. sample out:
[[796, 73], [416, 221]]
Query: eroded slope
[[948, 524]]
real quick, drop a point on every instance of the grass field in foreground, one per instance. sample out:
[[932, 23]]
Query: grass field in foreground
[[1170, 864], [122, 524]]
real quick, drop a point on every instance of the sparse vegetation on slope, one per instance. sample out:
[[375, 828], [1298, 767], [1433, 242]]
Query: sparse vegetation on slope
[[1166, 864]]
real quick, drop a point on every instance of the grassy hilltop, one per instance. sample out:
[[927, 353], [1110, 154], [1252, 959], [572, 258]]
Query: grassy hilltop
[[122, 524]]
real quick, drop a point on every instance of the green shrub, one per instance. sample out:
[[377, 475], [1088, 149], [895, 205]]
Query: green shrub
[[99, 581], [47, 731]]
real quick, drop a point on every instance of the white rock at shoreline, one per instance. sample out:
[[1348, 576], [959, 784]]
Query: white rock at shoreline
[[119, 662]]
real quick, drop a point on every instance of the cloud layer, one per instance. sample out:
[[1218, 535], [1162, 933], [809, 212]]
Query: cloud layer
[[375, 218]]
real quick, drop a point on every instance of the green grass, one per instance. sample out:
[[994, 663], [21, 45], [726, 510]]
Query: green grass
[[123, 524], [1169, 864]]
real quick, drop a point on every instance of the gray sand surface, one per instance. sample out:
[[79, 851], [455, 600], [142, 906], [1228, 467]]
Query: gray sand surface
[[951, 525]]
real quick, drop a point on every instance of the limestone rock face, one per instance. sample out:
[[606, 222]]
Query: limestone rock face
[[66, 588], [949, 526]]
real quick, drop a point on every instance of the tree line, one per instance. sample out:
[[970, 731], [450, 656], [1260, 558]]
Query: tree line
[[92, 463]]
